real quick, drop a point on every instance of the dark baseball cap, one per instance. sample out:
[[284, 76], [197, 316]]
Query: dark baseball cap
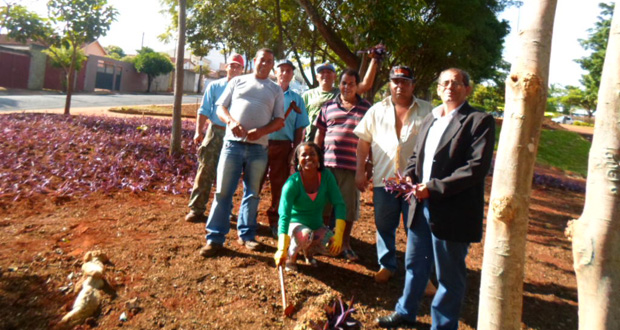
[[285, 62], [325, 66], [401, 72]]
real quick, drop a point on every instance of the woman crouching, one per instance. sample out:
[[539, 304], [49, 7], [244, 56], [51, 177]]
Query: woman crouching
[[301, 210]]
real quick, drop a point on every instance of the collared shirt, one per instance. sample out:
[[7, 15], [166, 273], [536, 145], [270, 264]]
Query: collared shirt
[[294, 120], [435, 132], [314, 100], [340, 144], [389, 151], [208, 108]]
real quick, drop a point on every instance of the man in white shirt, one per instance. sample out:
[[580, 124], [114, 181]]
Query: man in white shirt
[[389, 129], [450, 161]]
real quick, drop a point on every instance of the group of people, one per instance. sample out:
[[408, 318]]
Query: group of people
[[444, 152]]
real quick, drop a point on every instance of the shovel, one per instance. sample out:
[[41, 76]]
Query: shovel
[[289, 310]]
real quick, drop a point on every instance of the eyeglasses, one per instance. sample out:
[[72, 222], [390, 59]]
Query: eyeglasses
[[447, 83]]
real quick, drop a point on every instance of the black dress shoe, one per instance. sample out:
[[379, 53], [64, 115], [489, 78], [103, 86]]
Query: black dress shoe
[[395, 320]]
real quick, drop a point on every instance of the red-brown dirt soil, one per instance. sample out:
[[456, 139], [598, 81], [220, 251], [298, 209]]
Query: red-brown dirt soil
[[155, 259], [161, 282]]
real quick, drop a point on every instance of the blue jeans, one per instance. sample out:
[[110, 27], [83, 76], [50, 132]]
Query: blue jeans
[[424, 250], [237, 158], [388, 212]]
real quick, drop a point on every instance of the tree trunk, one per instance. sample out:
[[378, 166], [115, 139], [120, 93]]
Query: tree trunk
[[280, 46], [70, 79], [596, 235], [175, 141], [501, 288]]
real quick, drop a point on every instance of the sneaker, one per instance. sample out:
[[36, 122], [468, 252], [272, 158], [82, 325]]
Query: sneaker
[[251, 245], [195, 217], [210, 249], [394, 320], [383, 275]]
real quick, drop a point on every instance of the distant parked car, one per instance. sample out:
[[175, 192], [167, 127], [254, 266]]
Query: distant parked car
[[563, 120]]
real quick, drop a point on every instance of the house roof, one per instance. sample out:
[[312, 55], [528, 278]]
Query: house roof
[[93, 48]]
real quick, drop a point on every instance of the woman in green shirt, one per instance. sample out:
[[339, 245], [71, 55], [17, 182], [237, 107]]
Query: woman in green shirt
[[301, 210]]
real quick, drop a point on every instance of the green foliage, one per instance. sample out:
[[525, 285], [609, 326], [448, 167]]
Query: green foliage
[[593, 63], [487, 98], [426, 35], [115, 52], [582, 123], [82, 21], [22, 24], [575, 97], [152, 64], [554, 95], [60, 57]]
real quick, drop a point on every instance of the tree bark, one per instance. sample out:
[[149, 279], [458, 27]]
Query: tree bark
[[70, 79], [501, 288], [596, 235], [175, 141]]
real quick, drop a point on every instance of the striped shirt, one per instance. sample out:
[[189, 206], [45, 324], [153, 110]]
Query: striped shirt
[[340, 144]]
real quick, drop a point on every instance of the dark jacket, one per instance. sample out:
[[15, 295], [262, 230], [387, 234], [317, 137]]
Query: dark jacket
[[456, 188]]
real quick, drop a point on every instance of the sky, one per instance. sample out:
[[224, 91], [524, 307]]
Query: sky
[[140, 22]]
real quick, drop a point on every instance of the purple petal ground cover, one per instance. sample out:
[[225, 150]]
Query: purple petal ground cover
[[73, 156]]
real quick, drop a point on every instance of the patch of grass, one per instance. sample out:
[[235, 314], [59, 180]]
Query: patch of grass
[[564, 150], [188, 110]]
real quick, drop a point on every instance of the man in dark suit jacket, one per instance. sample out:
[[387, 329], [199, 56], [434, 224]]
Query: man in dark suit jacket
[[451, 159]]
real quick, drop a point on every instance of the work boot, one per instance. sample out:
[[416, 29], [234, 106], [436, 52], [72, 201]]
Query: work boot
[[251, 245], [210, 249], [383, 275], [195, 217]]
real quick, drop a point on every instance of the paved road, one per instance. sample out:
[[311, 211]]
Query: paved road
[[57, 101]]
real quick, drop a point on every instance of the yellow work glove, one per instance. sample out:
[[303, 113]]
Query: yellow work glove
[[336, 245], [280, 256]]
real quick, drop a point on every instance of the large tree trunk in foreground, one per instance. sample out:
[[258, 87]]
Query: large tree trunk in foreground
[[501, 288], [175, 141], [596, 235]]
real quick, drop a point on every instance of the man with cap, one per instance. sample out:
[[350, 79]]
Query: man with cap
[[450, 161], [284, 141], [252, 108], [316, 97], [209, 149], [387, 134]]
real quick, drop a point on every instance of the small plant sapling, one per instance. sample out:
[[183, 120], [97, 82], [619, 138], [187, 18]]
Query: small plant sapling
[[339, 317]]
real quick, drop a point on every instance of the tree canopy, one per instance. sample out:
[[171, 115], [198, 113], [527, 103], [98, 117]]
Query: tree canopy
[[115, 52], [152, 64], [427, 35], [593, 63]]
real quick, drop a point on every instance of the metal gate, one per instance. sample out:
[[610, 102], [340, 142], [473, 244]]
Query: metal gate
[[14, 70]]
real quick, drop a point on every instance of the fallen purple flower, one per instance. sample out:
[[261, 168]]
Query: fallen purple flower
[[74, 156], [399, 185]]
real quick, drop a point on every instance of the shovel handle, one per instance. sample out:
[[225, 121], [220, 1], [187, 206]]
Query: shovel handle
[[281, 275]]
